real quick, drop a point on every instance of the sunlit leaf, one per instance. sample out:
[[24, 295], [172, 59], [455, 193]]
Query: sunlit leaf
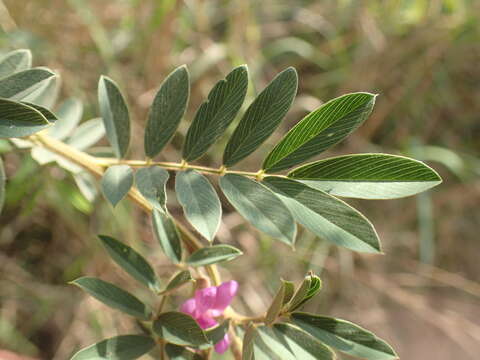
[[216, 113], [151, 182], [116, 182], [19, 120], [123, 347], [131, 261], [167, 235], [368, 176], [310, 286], [115, 115], [326, 216], [262, 117], [260, 206], [87, 134], [69, 115], [179, 328], [114, 297], [15, 61], [45, 94], [167, 110], [319, 130], [302, 345], [213, 255], [344, 336], [200, 202], [20, 84]]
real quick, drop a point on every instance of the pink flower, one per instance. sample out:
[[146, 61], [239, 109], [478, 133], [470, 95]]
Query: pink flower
[[209, 303]]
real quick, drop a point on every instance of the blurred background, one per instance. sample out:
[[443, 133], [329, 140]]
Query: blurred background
[[422, 57]]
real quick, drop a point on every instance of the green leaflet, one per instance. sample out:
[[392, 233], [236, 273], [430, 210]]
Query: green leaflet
[[260, 206], [3, 180], [248, 343], [368, 176], [151, 182], [21, 84], [213, 255], [167, 235], [115, 115], [19, 120], [216, 113], [69, 115], [116, 182], [180, 329], [176, 352], [344, 336], [262, 117], [130, 261], [167, 110], [310, 286], [301, 345], [179, 279], [45, 94], [200, 202], [15, 61], [276, 305], [114, 297], [319, 130], [123, 347], [326, 216], [87, 134]]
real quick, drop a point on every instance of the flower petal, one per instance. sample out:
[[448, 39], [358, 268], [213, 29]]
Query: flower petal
[[206, 322], [205, 299], [225, 294], [189, 307], [222, 345]]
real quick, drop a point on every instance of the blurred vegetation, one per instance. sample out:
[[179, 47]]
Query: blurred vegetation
[[421, 57]]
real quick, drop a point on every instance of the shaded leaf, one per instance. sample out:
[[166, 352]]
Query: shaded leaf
[[216, 113], [123, 347], [289, 291], [19, 120], [116, 182], [179, 328], [319, 130], [45, 94], [262, 117], [115, 115], [260, 206], [248, 342], [218, 332], [15, 61], [167, 110], [20, 84], [368, 176], [326, 216], [3, 180], [302, 345], [87, 134], [213, 255], [200, 202], [344, 336], [276, 305], [130, 261], [176, 352], [114, 297], [50, 116], [69, 115], [151, 183], [179, 279], [167, 235]]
